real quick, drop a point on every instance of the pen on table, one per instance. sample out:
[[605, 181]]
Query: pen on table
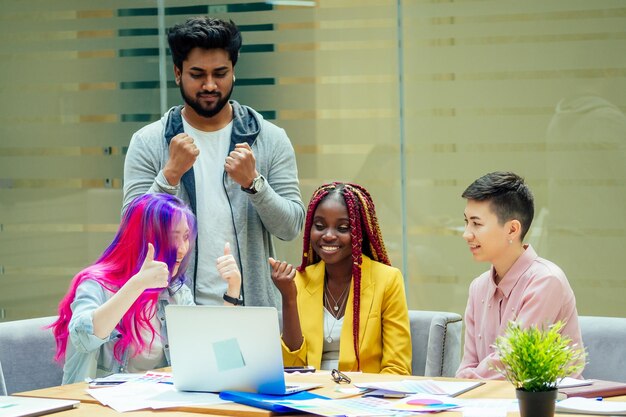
[[598, 398]]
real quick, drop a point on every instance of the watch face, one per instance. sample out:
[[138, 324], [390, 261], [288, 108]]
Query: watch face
[[257, 184]]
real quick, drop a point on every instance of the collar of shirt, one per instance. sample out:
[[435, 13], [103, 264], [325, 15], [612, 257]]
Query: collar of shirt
[[514, 273]]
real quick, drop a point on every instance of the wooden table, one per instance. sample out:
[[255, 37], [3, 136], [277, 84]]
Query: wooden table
[[97, 410], [90, 407]]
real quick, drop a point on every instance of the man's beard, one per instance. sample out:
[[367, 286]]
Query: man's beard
[[199, 109]]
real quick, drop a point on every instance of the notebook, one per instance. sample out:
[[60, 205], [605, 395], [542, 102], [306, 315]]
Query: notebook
[[595, 388], [214, 349], [11, 406]]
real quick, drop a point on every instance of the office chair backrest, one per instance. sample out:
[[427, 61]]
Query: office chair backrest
[[436, 339], [27, 355], [605, 341]]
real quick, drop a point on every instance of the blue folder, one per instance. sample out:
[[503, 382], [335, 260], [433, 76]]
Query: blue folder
[[266, 401]]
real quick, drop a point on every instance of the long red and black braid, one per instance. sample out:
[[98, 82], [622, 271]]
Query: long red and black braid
[[362, 214]]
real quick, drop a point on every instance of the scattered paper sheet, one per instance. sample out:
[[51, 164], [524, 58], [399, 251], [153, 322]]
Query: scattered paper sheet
[[481, 412], [131, 396], [485, 407], [579, 405], [569, 382]]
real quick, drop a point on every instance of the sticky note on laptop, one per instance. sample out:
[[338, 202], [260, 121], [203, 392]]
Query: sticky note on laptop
[[228, 355]]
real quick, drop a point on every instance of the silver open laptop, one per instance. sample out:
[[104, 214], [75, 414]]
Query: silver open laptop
[[217, 349], [11, 406]]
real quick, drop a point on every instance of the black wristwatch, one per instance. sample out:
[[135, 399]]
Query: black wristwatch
[[257, 185], [233, 300]]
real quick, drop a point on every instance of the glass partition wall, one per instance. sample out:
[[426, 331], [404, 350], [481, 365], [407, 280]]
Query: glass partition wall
[[537, 88], [412, 99]]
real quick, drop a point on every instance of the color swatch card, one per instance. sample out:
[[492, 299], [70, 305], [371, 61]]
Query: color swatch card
[[424, 403], [117, 379], [349, 407], [423, 386]]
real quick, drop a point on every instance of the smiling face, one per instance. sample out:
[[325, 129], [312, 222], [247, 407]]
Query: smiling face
[[180, 236], [206, 81], [330, 232], [487, 238]]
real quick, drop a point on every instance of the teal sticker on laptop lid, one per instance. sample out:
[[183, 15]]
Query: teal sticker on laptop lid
[[228, 355]]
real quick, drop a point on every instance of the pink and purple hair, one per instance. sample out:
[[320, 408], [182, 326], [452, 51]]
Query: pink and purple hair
[[364, 232], [149, 218]]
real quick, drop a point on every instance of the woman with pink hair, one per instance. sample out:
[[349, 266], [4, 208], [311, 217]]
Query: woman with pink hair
[[112, 318]]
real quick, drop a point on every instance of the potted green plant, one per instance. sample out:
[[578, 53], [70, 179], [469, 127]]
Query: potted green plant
[[534, 359]]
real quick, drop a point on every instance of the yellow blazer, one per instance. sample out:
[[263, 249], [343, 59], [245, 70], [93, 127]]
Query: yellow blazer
[[384, 335]]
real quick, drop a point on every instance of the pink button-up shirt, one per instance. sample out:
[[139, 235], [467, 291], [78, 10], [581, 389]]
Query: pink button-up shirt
[[533, 291]]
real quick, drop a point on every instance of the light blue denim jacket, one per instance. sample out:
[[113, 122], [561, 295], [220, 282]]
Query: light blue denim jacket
[[89, 356]]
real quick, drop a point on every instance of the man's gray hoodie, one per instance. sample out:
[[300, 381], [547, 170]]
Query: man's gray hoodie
[[276, 210]]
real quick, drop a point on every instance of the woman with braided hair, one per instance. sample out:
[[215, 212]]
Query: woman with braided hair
[[344, 307]]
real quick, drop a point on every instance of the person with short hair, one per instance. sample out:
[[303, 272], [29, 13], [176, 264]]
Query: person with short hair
[[344, 307], [520, 285], [236, 170], [112, 319]]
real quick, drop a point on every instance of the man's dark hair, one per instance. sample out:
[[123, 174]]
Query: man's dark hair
[[509, 197], [206, 33]]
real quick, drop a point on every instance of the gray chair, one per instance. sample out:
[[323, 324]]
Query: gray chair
[[605, 341], [436, 339], [27, 355]]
